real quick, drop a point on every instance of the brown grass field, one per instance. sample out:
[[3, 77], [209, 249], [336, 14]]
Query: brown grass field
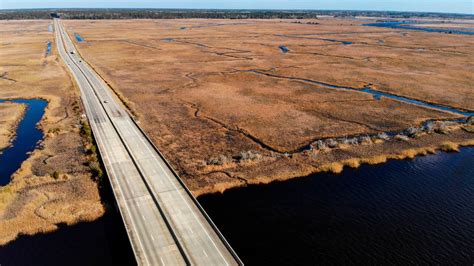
[[228, 108], [10, 115], [34, 201]]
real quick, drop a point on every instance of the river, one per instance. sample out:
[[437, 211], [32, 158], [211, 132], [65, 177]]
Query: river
[[404, 212], [418, 211]]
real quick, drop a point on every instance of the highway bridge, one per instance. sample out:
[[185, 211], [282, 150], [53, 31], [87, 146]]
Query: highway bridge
[[164, 222]]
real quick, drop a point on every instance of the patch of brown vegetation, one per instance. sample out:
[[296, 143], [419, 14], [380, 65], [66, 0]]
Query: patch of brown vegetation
[[450, 146], [53, 185], [208, 94], [10, 116]]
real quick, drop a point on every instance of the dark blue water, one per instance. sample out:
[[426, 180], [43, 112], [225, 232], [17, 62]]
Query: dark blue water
[[78, 37], [403, 25], [284, 49], [48, 48], [27, 137], [405, 212], [339, 41]]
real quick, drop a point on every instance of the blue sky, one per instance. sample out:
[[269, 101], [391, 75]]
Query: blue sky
[[455, 6]]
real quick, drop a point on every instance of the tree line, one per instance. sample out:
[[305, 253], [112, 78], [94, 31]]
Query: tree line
[[204, 13]]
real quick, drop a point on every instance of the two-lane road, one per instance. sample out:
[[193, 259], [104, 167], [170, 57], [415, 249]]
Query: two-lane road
[[165, 224]]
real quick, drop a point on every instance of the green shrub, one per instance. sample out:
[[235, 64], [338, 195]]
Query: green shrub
[[55, 175], [96, 170], [86, 131]]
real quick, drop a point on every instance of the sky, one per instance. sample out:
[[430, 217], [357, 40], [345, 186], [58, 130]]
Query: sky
[[448, 6]]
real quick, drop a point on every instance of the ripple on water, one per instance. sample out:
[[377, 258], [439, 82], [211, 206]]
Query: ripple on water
[[416, 211]]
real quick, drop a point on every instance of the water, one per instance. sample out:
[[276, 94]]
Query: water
[[339, 41], [379, 94], [48, 48], [376, 94], [403, 25], [314, 38], [284, 49], [27, 137], [417, 211], [78, 37], [102, 242], [404, 212]]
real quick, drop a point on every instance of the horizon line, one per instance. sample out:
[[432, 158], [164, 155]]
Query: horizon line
[[228, 9]]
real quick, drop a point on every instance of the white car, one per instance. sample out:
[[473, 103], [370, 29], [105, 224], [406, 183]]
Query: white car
[[106, 101]]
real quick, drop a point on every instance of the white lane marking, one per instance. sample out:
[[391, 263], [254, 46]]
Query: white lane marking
[[174, 184], [59, 43], [155, 155]]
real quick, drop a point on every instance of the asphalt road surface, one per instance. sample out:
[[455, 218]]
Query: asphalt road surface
[[165, 224]]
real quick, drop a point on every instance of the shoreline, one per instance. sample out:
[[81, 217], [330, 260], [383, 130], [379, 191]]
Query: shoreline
[[7, 139], [337, 167], [54, 185], [30, 220], [35, 216]]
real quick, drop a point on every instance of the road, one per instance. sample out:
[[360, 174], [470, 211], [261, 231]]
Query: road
[[165, 224]]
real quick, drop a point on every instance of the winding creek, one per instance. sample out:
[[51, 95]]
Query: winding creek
[[416, 211], [408, 25], [409, 211], [26, 139], [375, 93]]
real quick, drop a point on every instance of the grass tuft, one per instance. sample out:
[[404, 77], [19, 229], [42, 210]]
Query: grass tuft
[[449, 146], [353, 162]]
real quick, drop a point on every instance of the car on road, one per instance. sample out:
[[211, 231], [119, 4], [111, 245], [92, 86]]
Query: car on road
[[106, 101]]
